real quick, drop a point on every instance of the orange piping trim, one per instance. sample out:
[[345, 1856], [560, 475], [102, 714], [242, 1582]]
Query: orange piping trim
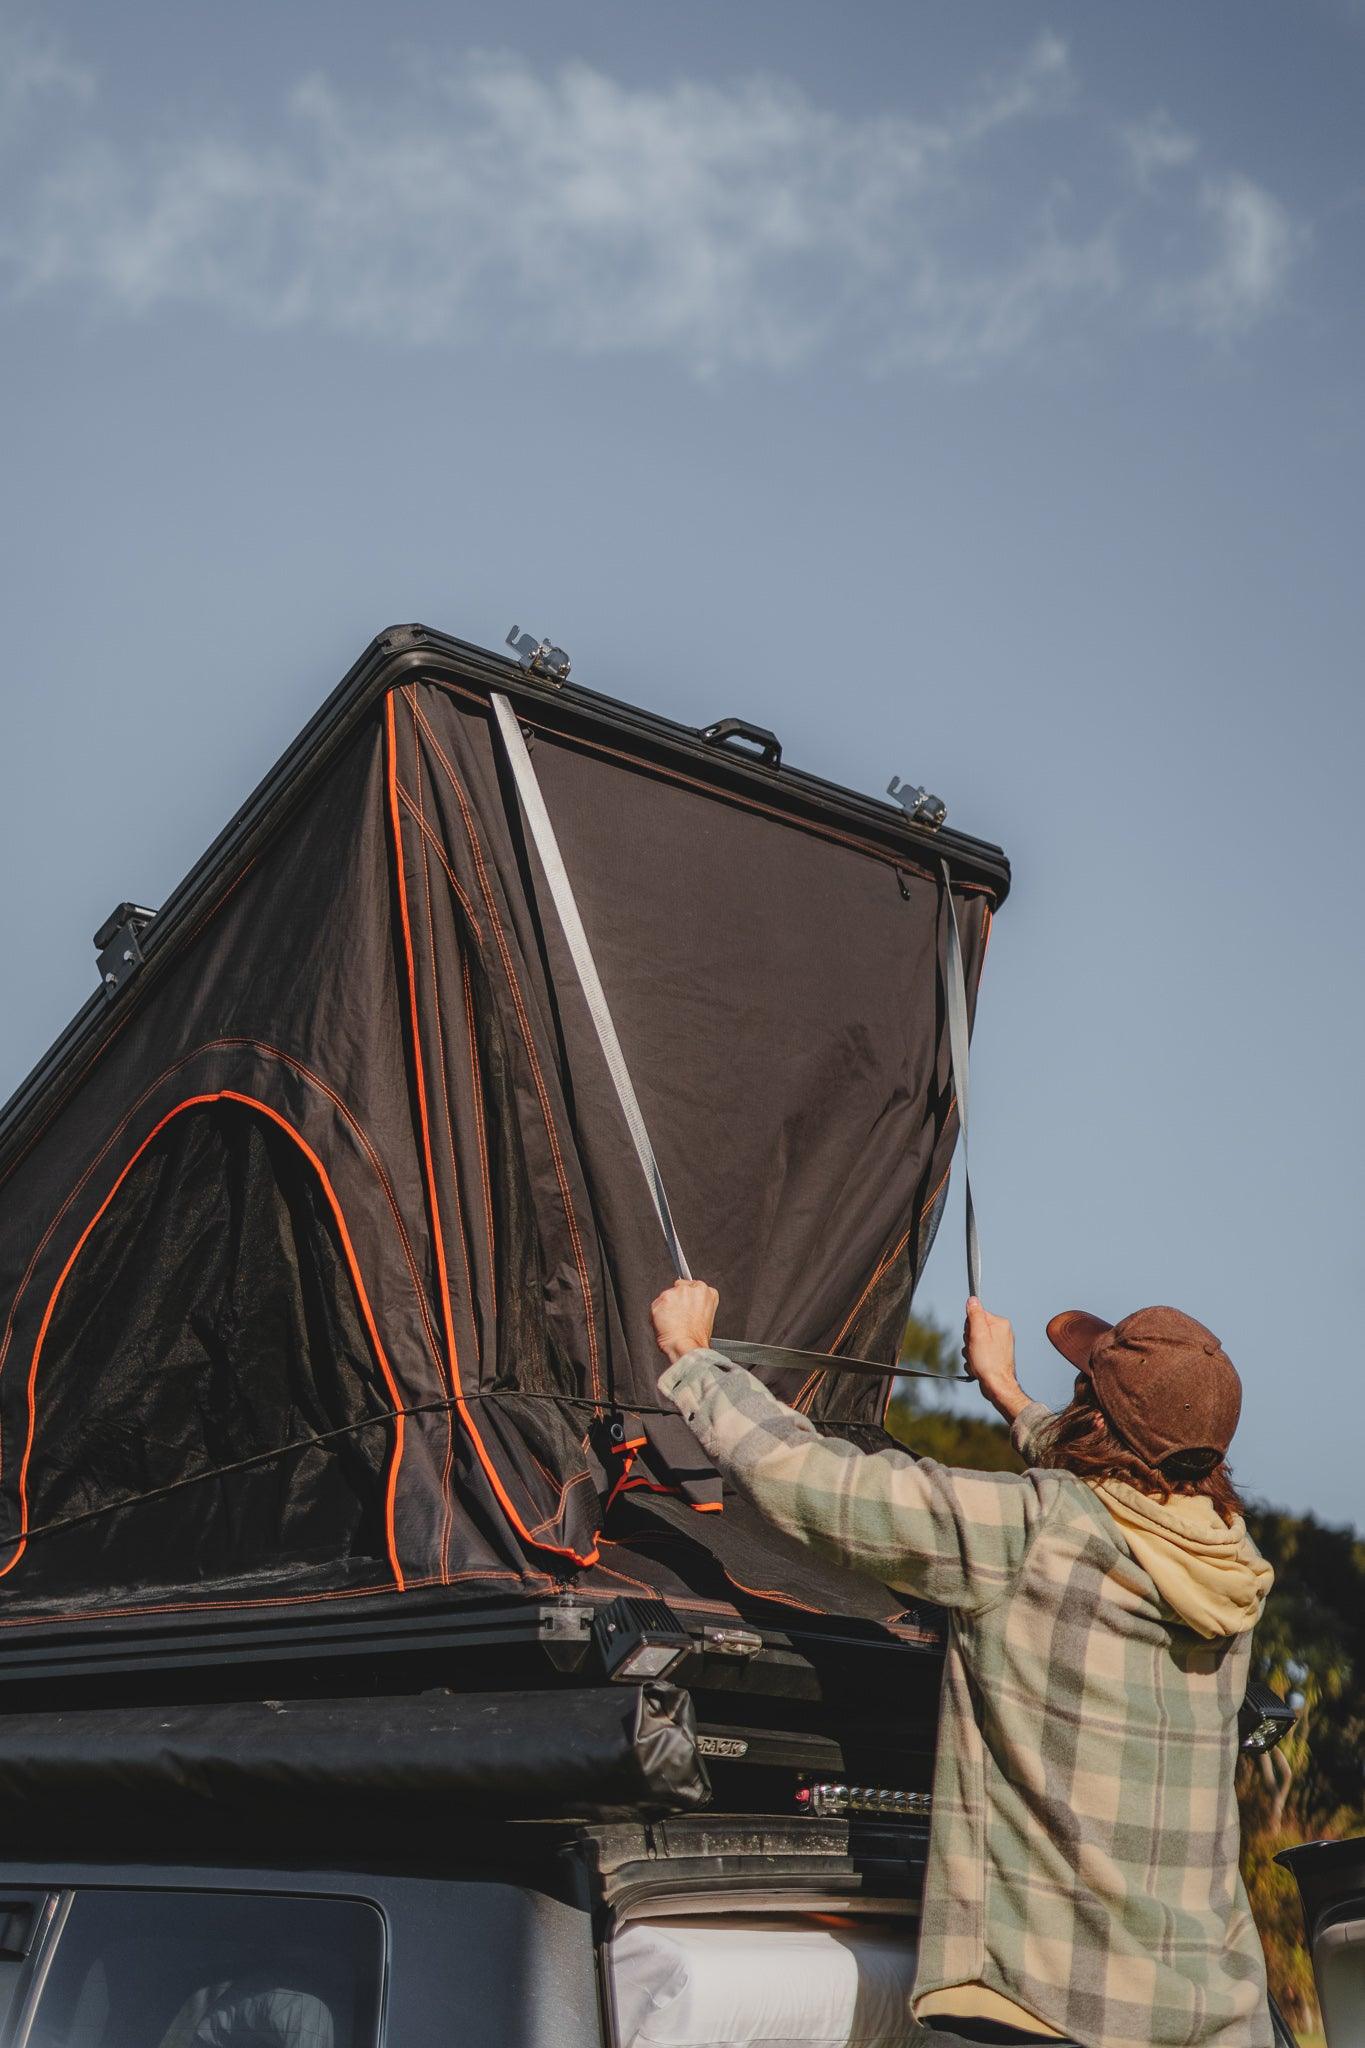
[[621, 1486], [419, 1069], [100, 1050], [566, 1197], [218, 1045], [447, 1502], [250, 1102], [457, 1391], [698, 1507]]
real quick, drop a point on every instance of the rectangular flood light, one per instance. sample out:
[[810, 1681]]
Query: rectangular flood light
[[1263, 1720], [639, 1639]]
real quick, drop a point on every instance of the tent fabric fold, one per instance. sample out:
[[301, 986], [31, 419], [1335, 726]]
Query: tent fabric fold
[[331, 1277]]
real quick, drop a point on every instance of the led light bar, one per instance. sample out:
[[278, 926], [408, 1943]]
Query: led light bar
[[828, 1800]]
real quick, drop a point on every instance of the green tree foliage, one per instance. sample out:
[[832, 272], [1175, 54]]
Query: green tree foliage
[[922, 1421], [1310, 1647]]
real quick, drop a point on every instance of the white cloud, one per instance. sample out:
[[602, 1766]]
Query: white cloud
[[1043, 82], [719, 225], [963, 324], [34, 70], [1154, 145], [1255, 243]]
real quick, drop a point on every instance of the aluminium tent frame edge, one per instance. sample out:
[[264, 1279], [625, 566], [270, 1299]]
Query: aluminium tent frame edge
[[533, 1642], [399, 654]]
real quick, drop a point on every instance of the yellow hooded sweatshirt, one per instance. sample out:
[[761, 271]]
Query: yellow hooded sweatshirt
[[1210, 1575]]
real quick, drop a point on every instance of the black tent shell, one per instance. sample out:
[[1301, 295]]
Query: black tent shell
[[325, 1257]]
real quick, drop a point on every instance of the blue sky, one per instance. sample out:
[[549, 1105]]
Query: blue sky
[[968, 392]]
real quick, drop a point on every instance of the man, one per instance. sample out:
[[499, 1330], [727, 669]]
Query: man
[[1082, 1881]]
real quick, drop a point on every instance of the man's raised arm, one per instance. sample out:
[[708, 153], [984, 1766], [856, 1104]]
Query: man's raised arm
[[956, 1538]]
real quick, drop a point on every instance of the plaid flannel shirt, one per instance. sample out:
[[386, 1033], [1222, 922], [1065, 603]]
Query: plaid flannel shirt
[[1083, 1858]]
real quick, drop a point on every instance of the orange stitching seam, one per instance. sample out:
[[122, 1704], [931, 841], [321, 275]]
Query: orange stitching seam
[[416, 812], [218, 1045], [557, 1512], [100, 1050], [523, 1019], [447, 1504]]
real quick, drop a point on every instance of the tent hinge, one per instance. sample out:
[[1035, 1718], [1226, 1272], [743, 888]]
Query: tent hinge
[[540, 658], [919, 806], [118, 942]]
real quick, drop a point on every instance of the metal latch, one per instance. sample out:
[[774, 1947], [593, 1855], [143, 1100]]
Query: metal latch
[[723, 1641], [564, 1629], [919, 806], [539, 657], [118, 944]]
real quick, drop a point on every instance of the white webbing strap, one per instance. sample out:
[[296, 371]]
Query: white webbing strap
[[561, 889], [956, 995]]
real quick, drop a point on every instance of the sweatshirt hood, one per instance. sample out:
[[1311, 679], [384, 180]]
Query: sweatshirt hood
[[1210, 1575]]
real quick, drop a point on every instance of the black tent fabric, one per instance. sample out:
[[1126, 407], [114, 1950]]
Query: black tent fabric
[[326, 1270]]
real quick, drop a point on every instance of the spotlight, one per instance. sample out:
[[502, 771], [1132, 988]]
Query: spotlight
[[637, 1639], [1264, 1719]]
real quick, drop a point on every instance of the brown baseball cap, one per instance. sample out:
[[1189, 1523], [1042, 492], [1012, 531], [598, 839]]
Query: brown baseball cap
[[1162, 1380]]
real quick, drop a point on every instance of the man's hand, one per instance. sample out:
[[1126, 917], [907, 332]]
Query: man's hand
[[684, 1316], [988, 1353]]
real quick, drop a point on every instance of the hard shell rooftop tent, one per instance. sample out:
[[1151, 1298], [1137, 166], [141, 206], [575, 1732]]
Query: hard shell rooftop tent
[[325, 1255]]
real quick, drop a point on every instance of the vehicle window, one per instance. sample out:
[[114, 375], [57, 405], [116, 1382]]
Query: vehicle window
[[211, 1970], [23, 1918]]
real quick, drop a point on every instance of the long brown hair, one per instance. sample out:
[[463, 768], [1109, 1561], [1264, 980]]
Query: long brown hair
[[1080, 1440]]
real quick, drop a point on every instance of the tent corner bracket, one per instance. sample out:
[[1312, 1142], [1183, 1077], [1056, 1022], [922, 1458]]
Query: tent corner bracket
[[540, 658], [919, 805], [118, 944]]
